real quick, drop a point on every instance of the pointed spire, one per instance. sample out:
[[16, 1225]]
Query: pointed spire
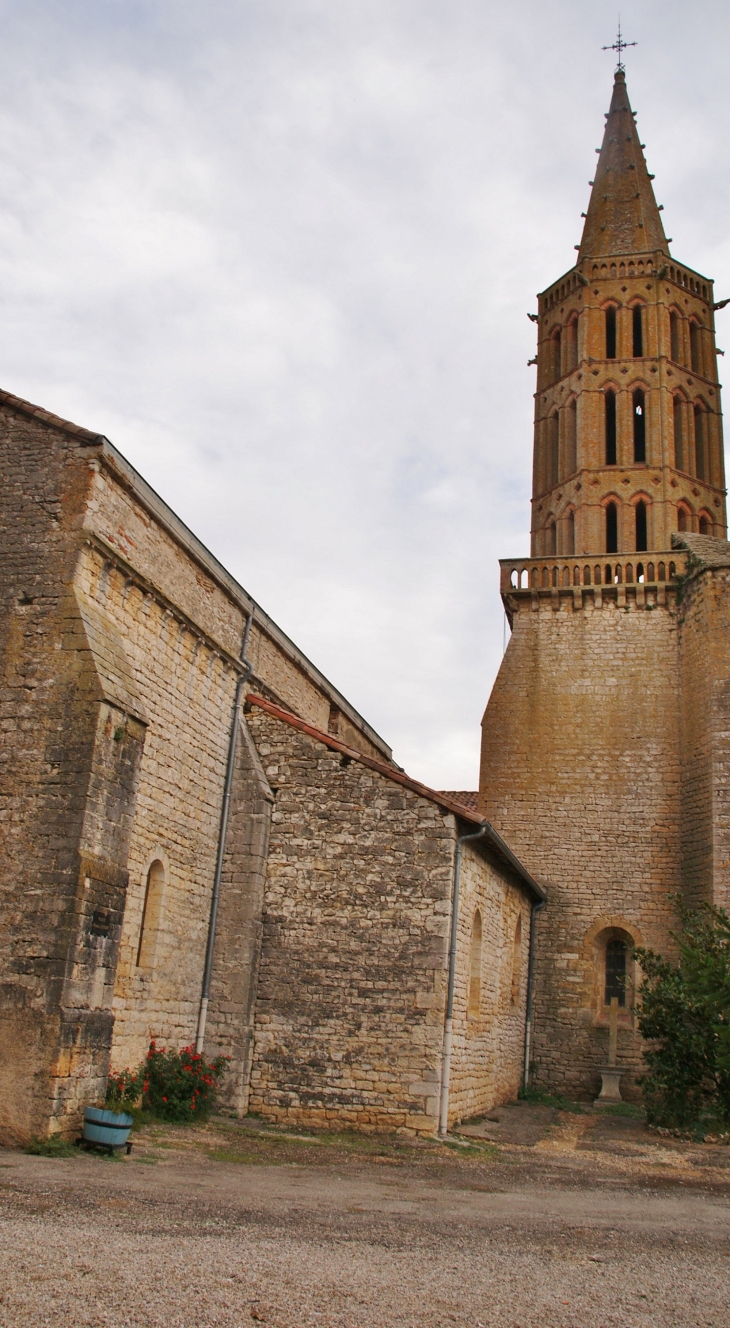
[[623, 217]]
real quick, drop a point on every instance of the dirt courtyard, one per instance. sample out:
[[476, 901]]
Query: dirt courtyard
[[539, 1218]]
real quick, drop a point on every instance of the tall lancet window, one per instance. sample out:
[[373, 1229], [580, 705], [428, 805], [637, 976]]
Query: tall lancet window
[[611, 528], [639, 426], [610, 408], [695, 346], [701, 469], [679, 450], [674, 336], [611, 333], [641, 536], [638, 330]]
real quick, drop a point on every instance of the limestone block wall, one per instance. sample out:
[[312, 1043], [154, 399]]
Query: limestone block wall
[[704, 653], [491, 987], [581, 775]]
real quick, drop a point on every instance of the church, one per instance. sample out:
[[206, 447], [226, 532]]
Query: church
[[204, 842]]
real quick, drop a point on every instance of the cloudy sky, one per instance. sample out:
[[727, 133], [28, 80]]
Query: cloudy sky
[[281, 253]]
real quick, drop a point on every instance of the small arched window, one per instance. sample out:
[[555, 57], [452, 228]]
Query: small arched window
[[551, 539], [679, 449], [475, 967], [610, 408], [639, 404], [641, 535], [611, 528], [615, 984], [674, 337], [695, 346], [151, 915], [705, 524], [611, 333], [637, 330], [683, 519], [516, 964], [701, 470]]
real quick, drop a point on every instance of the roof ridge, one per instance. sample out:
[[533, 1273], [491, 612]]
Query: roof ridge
[[38, 413]]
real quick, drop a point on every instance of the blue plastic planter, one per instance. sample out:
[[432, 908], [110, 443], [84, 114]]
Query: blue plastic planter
[[107, 1127]]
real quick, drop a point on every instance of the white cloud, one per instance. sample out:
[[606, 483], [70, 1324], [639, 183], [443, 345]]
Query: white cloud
[[281, 253]]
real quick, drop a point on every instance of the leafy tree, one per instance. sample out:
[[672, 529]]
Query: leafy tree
[[684, 1015]]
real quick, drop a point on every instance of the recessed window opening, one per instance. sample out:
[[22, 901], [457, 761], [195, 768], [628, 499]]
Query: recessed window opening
[[611, 528], [641, 544], [674, 337], [475, 967], [679, 460], [695, 346], [682, 518], [640, 573], [637, 329], [700, 443], [552, 541], [571, 441], [571, 344], [615, 972], [557, 342], [151, 915], [609, 573], [516, 964], [639, 426], [705, 528], [570, 534], [611, 333], [553, 450], [610, 407]]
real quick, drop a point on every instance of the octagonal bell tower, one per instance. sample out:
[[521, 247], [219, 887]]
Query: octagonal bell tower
[[628, 432]]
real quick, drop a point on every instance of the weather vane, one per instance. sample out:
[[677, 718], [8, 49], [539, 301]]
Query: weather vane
[[619, 45]]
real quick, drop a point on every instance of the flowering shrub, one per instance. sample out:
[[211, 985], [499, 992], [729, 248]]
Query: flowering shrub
[[180, 1085], [124, 1089]]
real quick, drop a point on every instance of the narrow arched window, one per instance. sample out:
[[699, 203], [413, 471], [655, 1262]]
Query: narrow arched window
[[611, 333], [557, 355], [615, 985], [611, 528], [516, 964], [570, 534], [553, 450], [683, 519], [705, 526], [571, 347], [638, 330], [610, 408], [639, 426], [151, 915], [674, 338], [641, 544], [695, 347], [551, 540], [679, 449], [700, 443], [571, 439], [475, 967]]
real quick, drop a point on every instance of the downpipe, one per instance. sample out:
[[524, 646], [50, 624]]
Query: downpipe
[[222, 831], [530, 983], [449, 1023]]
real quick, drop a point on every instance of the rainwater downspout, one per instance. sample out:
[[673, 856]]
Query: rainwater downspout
[[530, 982], [448, 1026], [232, 744]]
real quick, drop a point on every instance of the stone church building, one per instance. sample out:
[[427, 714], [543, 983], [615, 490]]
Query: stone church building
[[203, 841]]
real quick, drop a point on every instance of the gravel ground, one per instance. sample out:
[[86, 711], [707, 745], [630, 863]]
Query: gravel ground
[[592, 1222]]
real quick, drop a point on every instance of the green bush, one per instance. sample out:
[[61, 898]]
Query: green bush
[[684, 1014], [54, 1146], [180, 1085]]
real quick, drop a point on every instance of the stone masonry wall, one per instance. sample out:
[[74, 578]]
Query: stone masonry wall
[[581, 775], [351, 997]]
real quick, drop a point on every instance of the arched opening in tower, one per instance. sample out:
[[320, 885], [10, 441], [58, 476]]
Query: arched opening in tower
[[638, 331], [610, 402], [611, 528], [641, 544], [611, 333], [639, 427]]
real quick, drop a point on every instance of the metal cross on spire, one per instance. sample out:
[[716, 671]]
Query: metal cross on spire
[[619, 45]]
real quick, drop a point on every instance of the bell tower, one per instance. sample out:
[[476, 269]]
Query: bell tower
[[605, 744], [628, 432]]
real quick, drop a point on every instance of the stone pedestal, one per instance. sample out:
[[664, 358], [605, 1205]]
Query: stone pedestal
[[610, 1085]]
